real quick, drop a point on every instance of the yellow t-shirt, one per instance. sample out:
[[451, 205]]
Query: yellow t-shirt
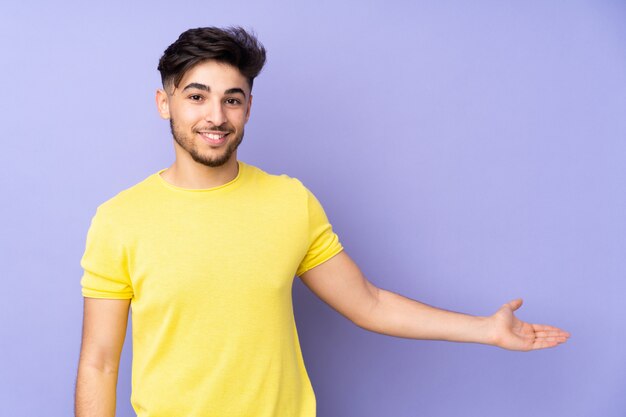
[[210, 276]]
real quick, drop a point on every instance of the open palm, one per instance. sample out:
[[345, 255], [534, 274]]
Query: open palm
[[511, 333]]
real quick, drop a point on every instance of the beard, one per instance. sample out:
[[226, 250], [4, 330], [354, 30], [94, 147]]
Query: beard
[[188, 144]]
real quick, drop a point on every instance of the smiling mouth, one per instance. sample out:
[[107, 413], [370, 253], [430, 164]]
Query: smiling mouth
[[214, 138]]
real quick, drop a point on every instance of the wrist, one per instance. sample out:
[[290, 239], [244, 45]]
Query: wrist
[[487, 334]]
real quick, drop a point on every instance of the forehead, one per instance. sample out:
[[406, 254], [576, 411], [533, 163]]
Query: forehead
[[218, 76]]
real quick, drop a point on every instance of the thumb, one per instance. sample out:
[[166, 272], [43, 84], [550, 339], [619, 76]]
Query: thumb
[[515, 304]]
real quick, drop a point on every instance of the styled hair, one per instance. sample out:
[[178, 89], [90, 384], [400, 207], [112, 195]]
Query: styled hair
[[231, 45]]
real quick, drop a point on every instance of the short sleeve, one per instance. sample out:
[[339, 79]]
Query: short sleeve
[[323, 241], [104, 261]]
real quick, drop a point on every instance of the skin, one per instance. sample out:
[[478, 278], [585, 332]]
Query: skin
[[342, 285], [215, 98], [104, 329]]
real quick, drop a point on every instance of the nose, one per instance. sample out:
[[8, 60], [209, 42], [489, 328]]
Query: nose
[[214, 113]]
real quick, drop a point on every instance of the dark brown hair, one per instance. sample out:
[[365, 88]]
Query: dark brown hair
[[231, 45]]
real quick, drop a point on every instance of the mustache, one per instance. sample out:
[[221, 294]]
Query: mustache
[[221, 128]]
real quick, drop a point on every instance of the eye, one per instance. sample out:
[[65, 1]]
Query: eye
[[233, 101], [196, 97]]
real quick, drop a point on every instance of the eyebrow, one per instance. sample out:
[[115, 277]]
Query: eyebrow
[[203, 87], [235, 91], [197, 86]]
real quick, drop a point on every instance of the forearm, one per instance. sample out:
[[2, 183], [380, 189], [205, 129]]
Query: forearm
[[95, 392], [400, 316]]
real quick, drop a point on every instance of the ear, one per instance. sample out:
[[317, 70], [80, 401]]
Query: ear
[[248, 108], [163, 104]]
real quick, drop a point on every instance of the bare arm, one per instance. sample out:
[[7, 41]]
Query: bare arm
[[340, 283], [104, 329]]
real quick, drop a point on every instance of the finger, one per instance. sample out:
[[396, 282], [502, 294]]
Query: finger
[[515, 304], [552, 333], [545, 328], [543, 344], [553, 338]]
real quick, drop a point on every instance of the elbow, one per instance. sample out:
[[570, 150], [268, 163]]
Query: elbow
[[100, 367], [369, 309], [102, 362]]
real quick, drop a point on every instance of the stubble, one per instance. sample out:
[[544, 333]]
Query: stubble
[[189, 145]]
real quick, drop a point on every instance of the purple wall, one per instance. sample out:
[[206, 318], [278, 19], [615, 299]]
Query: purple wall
[[466, 154]]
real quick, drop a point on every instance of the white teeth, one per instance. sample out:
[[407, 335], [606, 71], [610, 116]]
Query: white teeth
[[215, 137]]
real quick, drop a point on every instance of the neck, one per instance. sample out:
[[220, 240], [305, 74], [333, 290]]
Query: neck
[[194, 175]]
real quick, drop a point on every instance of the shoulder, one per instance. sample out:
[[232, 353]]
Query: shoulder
[[281, 183], [126, 201]]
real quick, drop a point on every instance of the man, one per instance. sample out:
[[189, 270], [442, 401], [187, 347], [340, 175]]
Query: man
[[205, 253]]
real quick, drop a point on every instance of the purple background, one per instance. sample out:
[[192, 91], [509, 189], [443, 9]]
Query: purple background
[[467, 153]]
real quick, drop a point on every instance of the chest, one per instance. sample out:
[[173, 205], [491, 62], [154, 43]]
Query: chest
[[234, 249]]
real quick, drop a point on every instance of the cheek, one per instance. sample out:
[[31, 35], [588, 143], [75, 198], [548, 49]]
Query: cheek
[[237, 118], [186, 116]]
